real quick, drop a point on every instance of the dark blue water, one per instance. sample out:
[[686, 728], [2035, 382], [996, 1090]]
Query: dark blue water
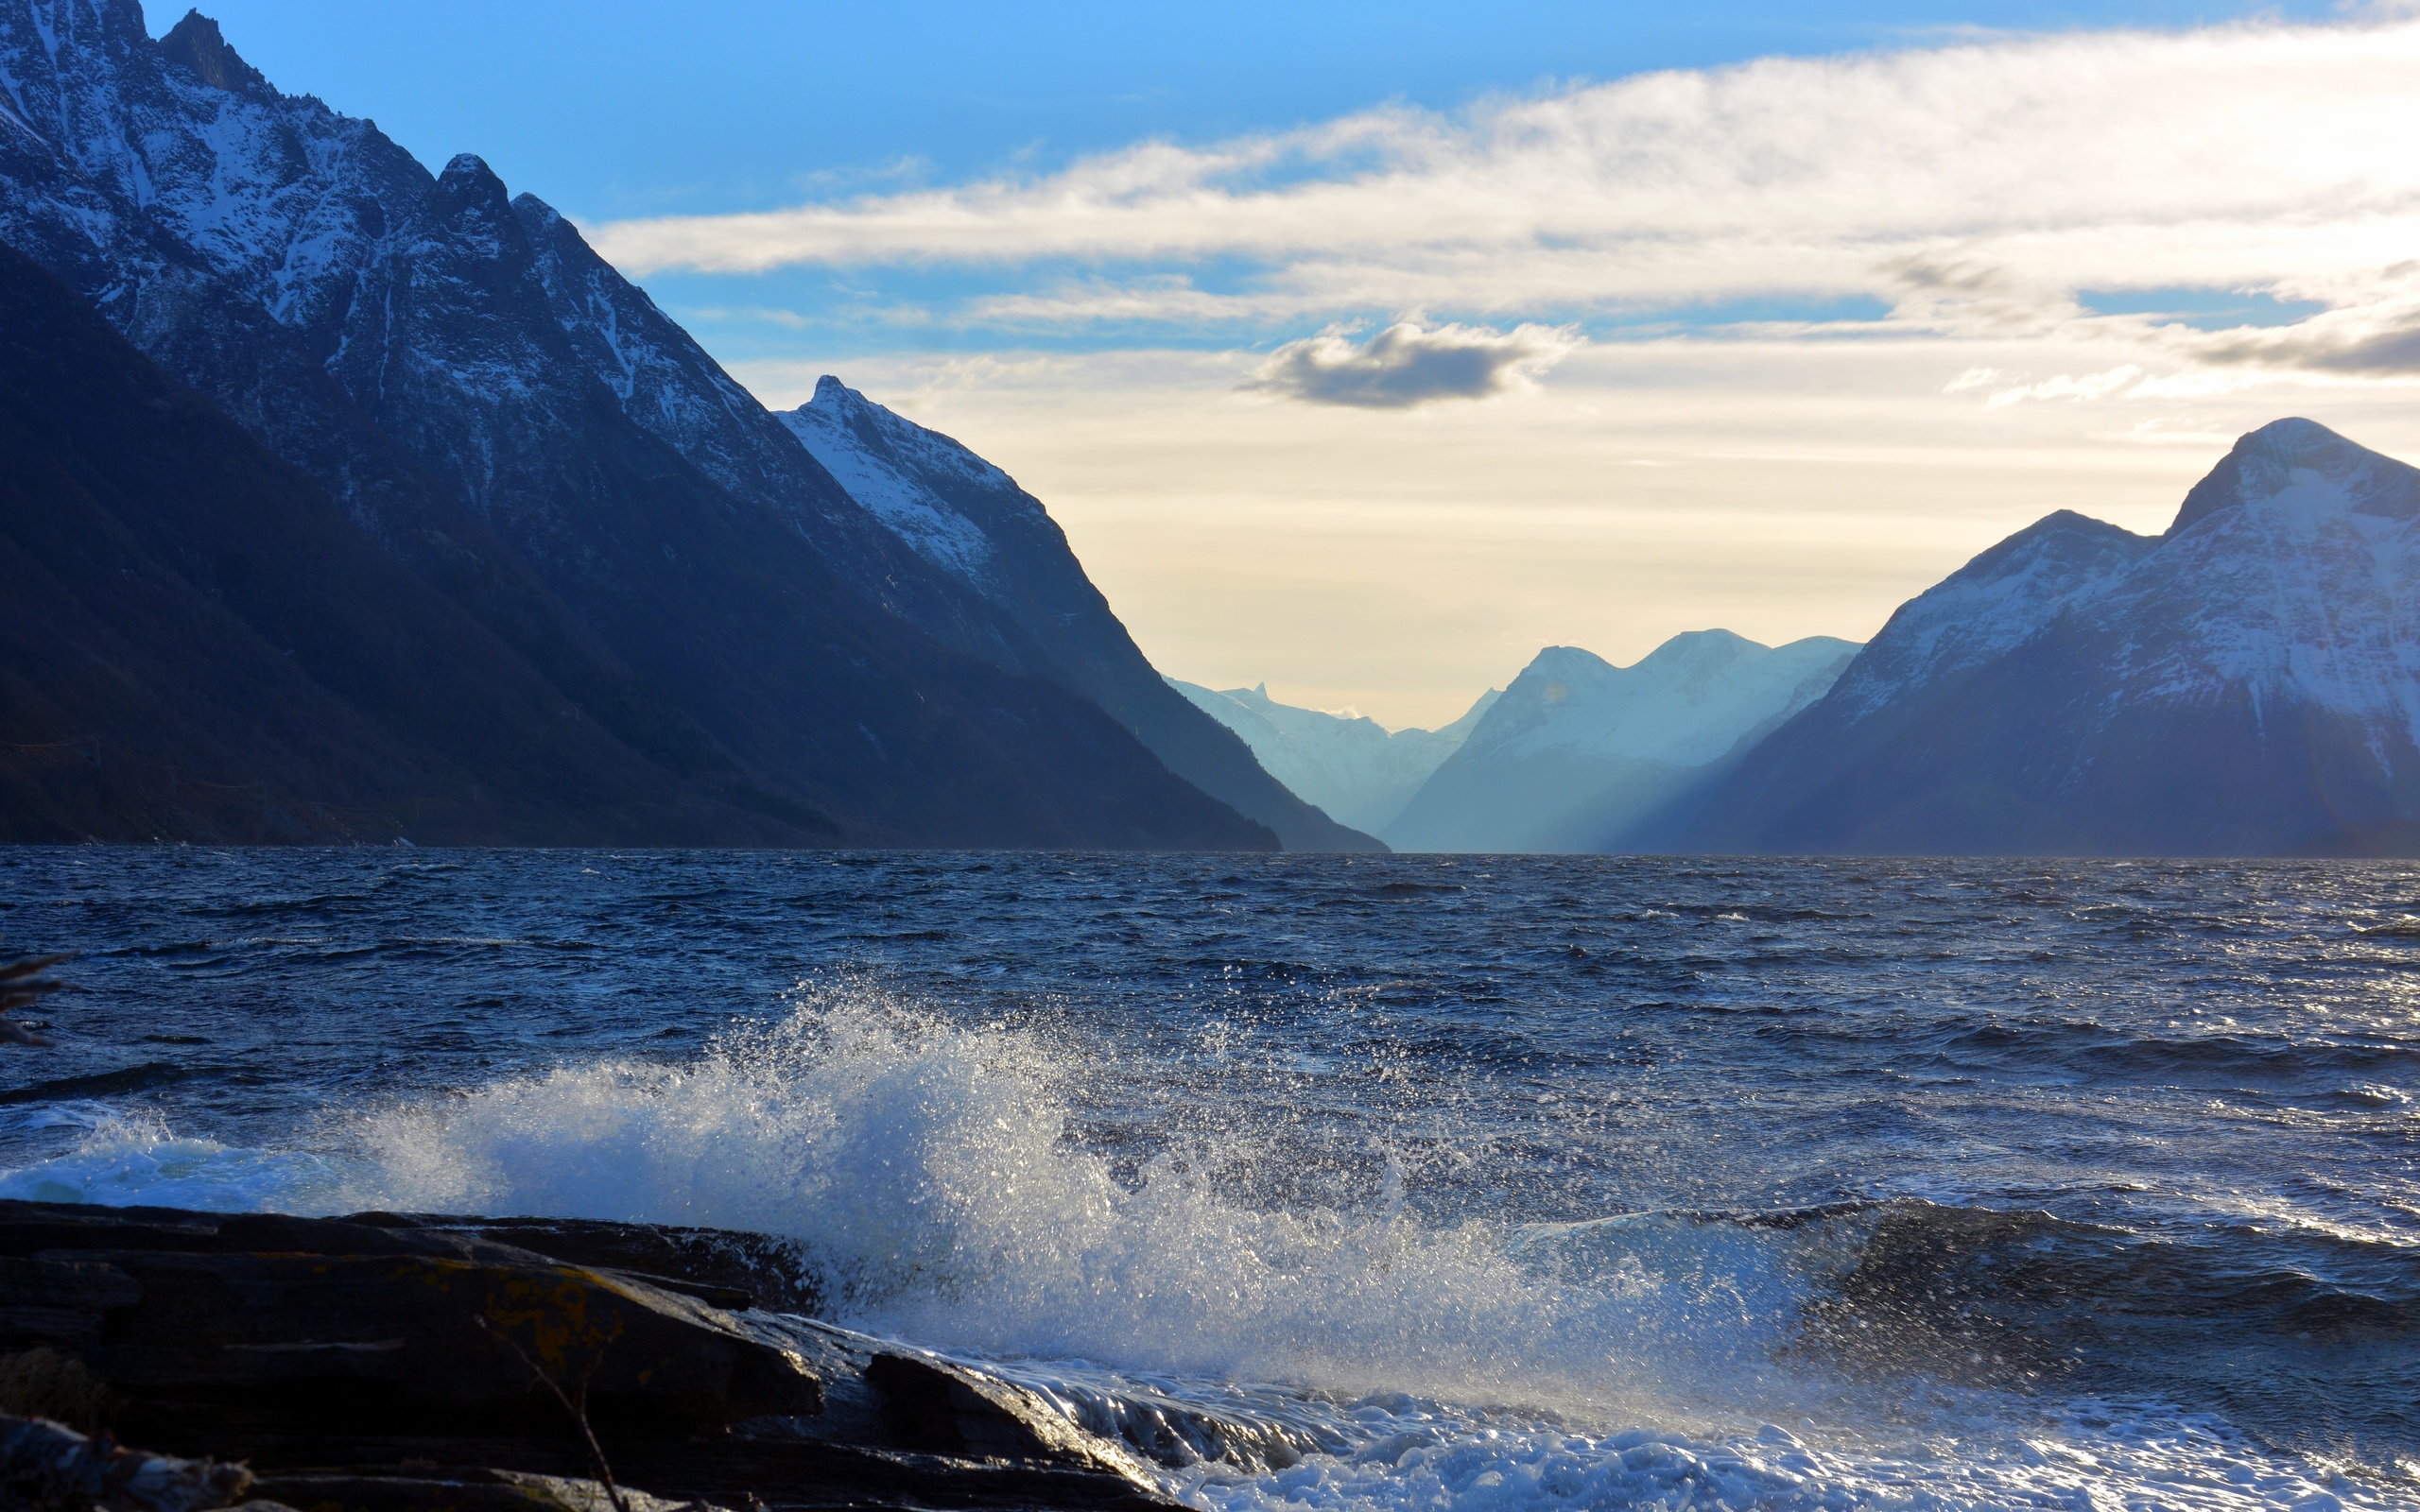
[[1787, 1183]]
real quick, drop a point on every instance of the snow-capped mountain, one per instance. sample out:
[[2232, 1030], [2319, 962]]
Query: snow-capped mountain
[[970, 521], [1580, 755], [2246, 683], [521, 427], [1352, 768]]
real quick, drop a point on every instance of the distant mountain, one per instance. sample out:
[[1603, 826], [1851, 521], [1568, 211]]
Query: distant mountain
[[509, 420], [1580, 755], [971, 524], [1352, 767], [2247, 683]]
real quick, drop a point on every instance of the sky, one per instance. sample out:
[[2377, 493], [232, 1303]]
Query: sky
[[1364, 350]]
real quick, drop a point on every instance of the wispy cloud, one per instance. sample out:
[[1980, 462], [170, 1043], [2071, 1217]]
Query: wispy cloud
[[1408, 364], [1973, 187]]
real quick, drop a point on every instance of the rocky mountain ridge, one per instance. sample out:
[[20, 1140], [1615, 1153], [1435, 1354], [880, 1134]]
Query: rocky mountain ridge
[[1351, 766], [2247, 683], [505, 416]]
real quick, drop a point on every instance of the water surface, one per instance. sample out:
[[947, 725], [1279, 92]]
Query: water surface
[[1443, 1181]]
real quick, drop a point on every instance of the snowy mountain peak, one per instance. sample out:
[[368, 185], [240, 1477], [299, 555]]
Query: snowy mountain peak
[[920, 483], [2247, 683], [196, 44], [1697, 654], [468, 176], [899, 441], [2320, 468], [1997, 602]]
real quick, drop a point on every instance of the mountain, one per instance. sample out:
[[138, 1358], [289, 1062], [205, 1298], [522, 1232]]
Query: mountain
[[970, 522], [2247, 683], [195, 642], [198, 643], [1352, 767], [504, 416], [1582, 755]]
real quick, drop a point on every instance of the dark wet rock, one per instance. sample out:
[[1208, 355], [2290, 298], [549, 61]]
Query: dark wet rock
[[386, 1361], [942, 1407], [480, 1490], [717, 1266]]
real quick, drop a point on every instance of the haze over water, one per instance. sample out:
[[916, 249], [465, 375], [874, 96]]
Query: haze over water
[[1440, 1182]]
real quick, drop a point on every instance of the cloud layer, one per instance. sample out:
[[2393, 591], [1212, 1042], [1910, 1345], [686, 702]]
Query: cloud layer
[[1917, 264], [1975, 188], [1406, 364]]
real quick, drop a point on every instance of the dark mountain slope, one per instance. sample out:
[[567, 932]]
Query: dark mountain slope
[[199, 644], [2247, 684], [971, 521], [518, 428]]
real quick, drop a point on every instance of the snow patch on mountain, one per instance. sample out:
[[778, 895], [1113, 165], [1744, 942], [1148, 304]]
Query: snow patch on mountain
[[891, 465], [1351, 766], [2293, 570], [2246, 683], [1999, 601]]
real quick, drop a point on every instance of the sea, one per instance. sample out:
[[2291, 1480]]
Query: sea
[[1411, 1182]]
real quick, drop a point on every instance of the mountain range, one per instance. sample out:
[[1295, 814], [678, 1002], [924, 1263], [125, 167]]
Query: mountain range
[[627, 549], [1350, 766], [344, 500], [1575, 755], [2245, 683], [1582, 755]]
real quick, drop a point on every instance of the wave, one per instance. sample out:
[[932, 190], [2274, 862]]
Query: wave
[[940, 1177], [929, 1169]]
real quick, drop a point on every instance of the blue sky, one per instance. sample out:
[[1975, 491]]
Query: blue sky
[[611, 108], [1365, 349]]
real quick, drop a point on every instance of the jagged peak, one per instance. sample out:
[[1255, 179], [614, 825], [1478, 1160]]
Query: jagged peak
[[470, 167], [2264, 461], [196, 44], [468, 184], [893, 436]]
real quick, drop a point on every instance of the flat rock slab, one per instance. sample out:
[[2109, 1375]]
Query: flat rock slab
[[385, 1362]]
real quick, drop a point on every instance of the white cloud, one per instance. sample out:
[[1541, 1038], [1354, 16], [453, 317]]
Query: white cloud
[[1790, 479], [2067, 385], [1973, 187]]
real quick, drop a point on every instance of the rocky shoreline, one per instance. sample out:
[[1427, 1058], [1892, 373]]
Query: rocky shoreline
[[386, 1361]]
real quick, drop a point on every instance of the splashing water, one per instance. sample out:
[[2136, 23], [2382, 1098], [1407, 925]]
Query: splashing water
[[1447, 1255], [929, 1169]]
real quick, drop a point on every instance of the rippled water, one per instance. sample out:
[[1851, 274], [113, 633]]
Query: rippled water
[[1437, 1181]]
